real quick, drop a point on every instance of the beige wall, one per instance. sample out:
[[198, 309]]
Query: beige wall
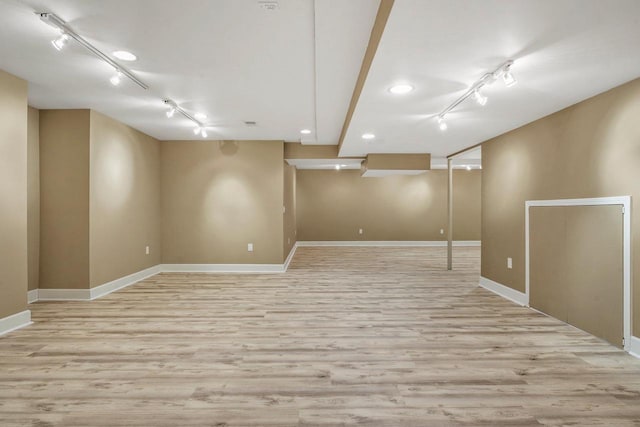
[[333, 205], [591, 149], [64, 199], [13, 195], [289, 217], [33, 196], [124, 200], [100, 199], [218, 196]]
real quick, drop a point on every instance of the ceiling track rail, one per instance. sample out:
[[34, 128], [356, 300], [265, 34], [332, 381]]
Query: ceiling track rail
[[55, 21]]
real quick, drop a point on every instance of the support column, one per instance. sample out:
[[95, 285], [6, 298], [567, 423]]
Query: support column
[[450, 214]]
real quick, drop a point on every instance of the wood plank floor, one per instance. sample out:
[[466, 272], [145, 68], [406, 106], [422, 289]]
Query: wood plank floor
[[348, 336]]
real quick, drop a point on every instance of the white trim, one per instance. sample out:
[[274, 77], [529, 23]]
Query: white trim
[[32, 296], [504, 291], [64, 294], [123, 282], [634, 346], [98, 291], [15, 321], [625, 201], [416, 243], [287, 261], [222, 268]]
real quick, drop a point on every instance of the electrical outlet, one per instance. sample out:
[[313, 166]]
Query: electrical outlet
[[250, 247], [509, 263], [288, 240], [360, 231], [442, 231], [284, 209], [146, 250]]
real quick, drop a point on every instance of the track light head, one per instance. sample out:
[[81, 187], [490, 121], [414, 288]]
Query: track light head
[[204, 133], [442, 124], [61, 41], [116, 79], [508, 78], [171, 112], [196, 130], [480, 98]]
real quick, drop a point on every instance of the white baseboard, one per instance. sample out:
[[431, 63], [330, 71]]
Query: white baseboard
[[634, 347], [64, 294], [98, 291], [32, 296], [15, 321], [287, 261], [222, 268], [123, 282], [413, 243], [518, 297]]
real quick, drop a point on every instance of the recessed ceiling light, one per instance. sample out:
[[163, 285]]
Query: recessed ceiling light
[[368, 136], [305, 131], [124, 55], [401, 89], [201, 116]]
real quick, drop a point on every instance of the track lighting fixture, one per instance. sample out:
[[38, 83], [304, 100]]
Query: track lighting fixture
[[199, 129], [61, 41], [67, 34], [508, 78], [503, 71], [116, 79], [442, 124], [480, 98]]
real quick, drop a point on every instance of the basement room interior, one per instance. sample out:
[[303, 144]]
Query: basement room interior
[[319, 213]]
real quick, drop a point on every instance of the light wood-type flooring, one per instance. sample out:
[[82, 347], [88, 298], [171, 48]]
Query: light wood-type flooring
[[348, 336]]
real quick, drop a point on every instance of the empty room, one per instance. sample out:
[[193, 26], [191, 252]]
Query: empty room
[[319, 213]]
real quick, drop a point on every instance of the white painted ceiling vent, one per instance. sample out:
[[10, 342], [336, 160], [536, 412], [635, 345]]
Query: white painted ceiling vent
[[269, 5]]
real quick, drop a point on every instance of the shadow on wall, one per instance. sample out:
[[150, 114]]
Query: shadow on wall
[[229, 148]]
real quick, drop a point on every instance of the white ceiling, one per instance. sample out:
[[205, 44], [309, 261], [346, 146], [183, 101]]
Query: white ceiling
[[296, 67], [565, 51], [230, 59], [325, 163]]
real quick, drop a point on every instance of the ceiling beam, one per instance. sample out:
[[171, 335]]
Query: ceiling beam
[[384, 10]]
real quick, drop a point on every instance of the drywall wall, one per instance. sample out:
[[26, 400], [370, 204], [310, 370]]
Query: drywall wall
[[100, 199], [13, 195], [591, 149], [576, 267], [218, 196], [33, 197], [64, 199], [289, 215], [124, 202], [334, 205]]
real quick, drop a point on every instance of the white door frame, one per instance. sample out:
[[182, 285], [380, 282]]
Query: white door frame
[[625, 201]]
